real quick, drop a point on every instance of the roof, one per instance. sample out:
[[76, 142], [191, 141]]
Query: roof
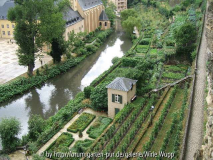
[[103, 16], [122, 84], [4, 9], [87, 4], [71, 17]]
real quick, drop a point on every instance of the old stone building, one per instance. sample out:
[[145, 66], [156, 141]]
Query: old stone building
[[120, 4], [120, 92], [6, 27], [82, 15]]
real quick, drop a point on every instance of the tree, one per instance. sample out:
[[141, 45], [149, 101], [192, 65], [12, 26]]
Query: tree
[[80, 134], [36, 125], [185, 38], [110, 11], [127, 13], [9, 130], [51, 14], [130, 23], [99, 97], [35, 20]]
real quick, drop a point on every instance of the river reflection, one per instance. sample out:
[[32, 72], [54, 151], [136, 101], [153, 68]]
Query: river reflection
[[55, 94]]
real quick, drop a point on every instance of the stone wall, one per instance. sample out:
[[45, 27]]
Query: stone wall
[[209, 26]]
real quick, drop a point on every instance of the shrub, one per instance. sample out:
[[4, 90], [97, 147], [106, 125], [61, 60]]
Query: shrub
[[9, 130], [36, 125], [87, 91], [115, 60], [129, 62], [99, 97]]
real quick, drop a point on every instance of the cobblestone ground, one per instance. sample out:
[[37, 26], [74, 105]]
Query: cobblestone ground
[[9, 67], [195, 135]]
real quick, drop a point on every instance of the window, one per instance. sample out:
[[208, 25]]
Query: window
[[8, 33], [117, 98], [105, 23], [8, 26], [13, 26], [3, 32], [100, 24], [2, 26]]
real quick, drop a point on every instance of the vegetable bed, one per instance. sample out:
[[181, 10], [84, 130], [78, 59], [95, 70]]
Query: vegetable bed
[[81, 123]]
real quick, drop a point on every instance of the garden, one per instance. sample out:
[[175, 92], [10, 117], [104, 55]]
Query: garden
[[81, 123]]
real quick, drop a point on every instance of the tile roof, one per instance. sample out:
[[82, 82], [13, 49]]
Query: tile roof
[[87, 4], [122, 84], [103, 16], [71, 17], [4, 9]]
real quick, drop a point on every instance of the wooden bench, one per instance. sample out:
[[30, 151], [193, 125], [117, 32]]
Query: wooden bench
[[134, 98]]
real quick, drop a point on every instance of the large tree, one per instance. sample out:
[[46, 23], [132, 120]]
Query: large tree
[[185, 38], [37, 22], [9, 130]]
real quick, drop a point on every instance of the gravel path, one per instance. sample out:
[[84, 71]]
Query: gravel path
[[195, 135]]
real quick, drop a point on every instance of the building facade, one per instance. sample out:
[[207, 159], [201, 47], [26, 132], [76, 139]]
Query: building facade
[[81, 16], [120, 4], [6, 27], [120, 92]]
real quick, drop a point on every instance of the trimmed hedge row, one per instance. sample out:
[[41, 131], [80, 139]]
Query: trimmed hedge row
[[81, 123]]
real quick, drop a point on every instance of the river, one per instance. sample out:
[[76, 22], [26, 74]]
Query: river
[[53, 95]]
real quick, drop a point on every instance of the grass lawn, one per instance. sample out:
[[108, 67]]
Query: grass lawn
[[98, 127], [81, 123]]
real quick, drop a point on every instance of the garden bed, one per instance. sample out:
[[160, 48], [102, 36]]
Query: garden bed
[[98, 127], [81, 146], [81, 123], [63, 141]]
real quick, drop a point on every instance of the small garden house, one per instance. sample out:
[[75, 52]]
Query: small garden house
[[120, 92]]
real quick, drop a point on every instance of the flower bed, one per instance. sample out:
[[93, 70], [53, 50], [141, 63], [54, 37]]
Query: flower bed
[[81, 123], [98, 127]]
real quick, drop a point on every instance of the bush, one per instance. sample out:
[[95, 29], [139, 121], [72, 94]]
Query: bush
[[115, 60], [129, 62], [91, 49], [99, 97], [36, 126], [87, 91], [9, 130]]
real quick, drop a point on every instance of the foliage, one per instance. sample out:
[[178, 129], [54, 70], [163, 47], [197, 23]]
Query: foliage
[[129, 24], [62, 142], [88, 91], [81, 146], [110, 12], [115, 60], [185, 38], [81, 123], [98, 127], [99, 97], [36, 125], [9, 130], [37, 157], [129, 62]]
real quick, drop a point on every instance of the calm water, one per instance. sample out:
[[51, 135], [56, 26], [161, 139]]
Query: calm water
[[48, 99]]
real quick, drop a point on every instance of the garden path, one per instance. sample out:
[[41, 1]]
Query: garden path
[[195, 135], [75, 136]]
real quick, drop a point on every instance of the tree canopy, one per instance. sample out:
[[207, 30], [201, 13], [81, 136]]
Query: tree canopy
[[35, 22], [9, 130]]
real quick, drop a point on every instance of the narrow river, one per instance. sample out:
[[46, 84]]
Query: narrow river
[[52, 96]]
